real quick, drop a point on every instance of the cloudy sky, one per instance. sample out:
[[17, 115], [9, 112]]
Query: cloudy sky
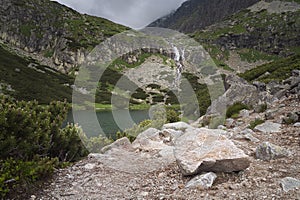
[[132, 13]]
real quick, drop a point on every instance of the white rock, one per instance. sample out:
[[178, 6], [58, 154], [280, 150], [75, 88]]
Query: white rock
[[182, 126], [297, 124], [203, 181], [89, 166]]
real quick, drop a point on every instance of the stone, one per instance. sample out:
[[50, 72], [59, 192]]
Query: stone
[[229, 122], [170, 135], [270, 114], [260, 86], [149, 140], [205, 150], [268, 127], [289, 183], [122, 143], [248, 135], [267, 151], [181, 126], [295, 72], [89, 166], [297, 124], [291, 118], [204, 181], [221, 127], [244, 113]]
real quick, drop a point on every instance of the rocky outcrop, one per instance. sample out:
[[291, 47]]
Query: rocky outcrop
[[194, 14], [268, 127]]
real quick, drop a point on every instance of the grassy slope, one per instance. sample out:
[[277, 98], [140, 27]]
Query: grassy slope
[[283, 25], [31, 84], [278, 70]]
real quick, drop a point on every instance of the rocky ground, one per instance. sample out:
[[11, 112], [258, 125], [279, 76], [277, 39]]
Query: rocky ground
[[137, 171]]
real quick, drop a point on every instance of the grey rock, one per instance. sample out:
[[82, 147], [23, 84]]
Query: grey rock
[[229, 123], [267, 151], [122, 143], [268, 127], [203, 181], [260, 86], [248, 135], [181, 126], [296, 72], [221, 127], [244, 113], [291, 118], [289, 183], [270, 114], [205, 150]]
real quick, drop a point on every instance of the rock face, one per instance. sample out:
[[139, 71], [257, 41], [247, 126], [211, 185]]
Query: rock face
[[268, 151], [198, 14], [203, 150], [203, 181], [268, 127]]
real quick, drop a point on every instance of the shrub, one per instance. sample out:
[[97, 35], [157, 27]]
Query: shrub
[[32, 141], [255, 123], [234, 110], [172, 116]]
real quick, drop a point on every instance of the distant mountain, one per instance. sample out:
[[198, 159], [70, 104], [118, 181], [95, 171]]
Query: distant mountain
[[197, 14]]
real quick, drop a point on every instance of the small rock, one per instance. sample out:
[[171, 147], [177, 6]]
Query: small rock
[[221, 127], [17, 70], [32, 197], [267, 151], [89, 166], [244, 113], [291, 118], [270, 114], [229, 122], [289, 183], [181, 126], [268, 127], [203, 181], [297, 124]]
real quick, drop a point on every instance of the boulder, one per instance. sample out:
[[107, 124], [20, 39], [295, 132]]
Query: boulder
[[268, 127], [203, 150], [289, 183], [204, 181], [267, 151]]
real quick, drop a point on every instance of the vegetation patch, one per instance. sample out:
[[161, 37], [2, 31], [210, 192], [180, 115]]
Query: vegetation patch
[[276, 71], [234, 110]]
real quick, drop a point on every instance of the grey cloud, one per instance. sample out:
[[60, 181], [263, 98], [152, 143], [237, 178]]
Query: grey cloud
[[132, 13]]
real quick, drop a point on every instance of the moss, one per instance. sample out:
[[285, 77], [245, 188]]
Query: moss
[[255, 123]]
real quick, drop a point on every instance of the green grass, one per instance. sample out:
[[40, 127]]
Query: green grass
[[255, 123], [252, 55], [278, 70], [31, 84], [234, 110]]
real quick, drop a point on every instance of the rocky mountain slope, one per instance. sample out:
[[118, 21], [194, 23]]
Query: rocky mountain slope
[[160, 165], [194, 14], [40, 42], [51, 33]]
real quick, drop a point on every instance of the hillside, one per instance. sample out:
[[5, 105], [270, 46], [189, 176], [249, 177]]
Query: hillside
[[42, 43], [51, 33], [194, 14]]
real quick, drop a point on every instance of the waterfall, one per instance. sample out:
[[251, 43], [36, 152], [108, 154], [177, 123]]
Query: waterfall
[[179, 58]]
